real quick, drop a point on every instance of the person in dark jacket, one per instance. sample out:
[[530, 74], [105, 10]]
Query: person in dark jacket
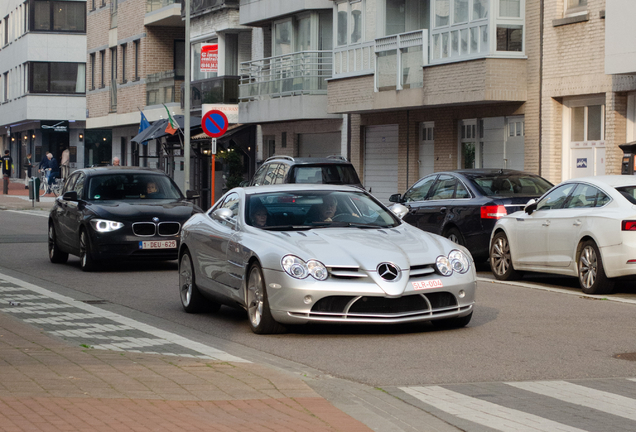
[[7, 167], [28, 168], [54, 171]]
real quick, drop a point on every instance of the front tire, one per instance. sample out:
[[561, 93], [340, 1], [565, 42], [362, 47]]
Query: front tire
[[455, 236], [56, 256], [592, 276], [501, 258], [260, 317], [87, 262], [191, 298]]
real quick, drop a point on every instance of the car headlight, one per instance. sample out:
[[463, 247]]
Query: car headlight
[[456, 261], [299, 269], [101, 225]]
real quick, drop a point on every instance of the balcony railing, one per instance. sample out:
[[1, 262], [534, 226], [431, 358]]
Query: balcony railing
[[199, 6], [299, 73], [400, 60], [153, 5], [161, 87], [219, 90], [353, 60]]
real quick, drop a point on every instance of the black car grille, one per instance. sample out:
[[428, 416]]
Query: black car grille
[[168, 228], [144, 229], [149, 229], [384, 307]]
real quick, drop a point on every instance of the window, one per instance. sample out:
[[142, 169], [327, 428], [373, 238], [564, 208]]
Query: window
[[587, 123], [350, 22], [92, 66], [113, 65], [419, 191], [283, 37], [586, 196], [6, 31], [123, 63], [57, 77], [92, 5], [5, 87], [406, 15], [102, 67], [63, 16], [136, 60], [509, 38], [556, 198], [179, 59], [196, 61], [573, 7]]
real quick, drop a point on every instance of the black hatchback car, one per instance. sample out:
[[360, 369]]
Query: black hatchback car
[[464, 205], [312, 170], [116, 213]]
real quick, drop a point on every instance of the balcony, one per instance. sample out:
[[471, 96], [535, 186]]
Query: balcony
[[261, 11], [200, 7], [219, 90], [161, 87], [164, 13]]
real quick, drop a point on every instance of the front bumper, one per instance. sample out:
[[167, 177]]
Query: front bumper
[[360, 301], [115, 246]]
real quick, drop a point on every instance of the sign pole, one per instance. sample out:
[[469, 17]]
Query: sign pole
[[214, 123], [186, 101], [213, 169]]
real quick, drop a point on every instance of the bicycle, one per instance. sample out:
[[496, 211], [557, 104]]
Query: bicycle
[[56, 187]]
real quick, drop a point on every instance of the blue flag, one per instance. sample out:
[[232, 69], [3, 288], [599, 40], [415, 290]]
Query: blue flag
[[144, 124]]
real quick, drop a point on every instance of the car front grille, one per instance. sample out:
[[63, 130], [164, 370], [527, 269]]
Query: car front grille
[[355, 272], [149, 229], [168, 228], [379, 308]]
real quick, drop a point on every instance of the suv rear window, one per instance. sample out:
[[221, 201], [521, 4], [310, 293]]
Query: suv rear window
[[511, 185], [325, 174]]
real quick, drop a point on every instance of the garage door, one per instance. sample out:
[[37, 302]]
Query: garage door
[[319, 145], [381, 161]]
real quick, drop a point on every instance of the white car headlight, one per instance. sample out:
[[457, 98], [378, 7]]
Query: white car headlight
[[444, 265], [299, 269], [317, 269], [101, 225], [459, 261]]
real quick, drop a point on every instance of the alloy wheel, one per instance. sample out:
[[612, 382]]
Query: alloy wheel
[[51, 242], [453, 238], [588, 267], [185, 280], [255, 300], [500, 256]]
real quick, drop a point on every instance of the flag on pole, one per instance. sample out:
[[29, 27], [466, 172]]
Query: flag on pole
[[172, 126], [143, 124]]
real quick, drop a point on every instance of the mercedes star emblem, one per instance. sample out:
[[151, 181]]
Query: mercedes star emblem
[[389, 272]]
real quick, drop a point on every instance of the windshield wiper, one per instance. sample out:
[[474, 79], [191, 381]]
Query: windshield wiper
[[287, 228]]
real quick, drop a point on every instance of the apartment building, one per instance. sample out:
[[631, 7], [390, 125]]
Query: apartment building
[[42, 79], [136, 62], [283, 88]]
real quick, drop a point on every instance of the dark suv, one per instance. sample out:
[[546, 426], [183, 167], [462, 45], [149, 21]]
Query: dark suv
[[286, 169]]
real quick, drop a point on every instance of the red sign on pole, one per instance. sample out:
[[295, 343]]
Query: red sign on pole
[[214, 123], [209, 57]]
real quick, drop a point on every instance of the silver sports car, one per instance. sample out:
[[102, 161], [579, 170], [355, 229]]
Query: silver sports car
[[293, 254]]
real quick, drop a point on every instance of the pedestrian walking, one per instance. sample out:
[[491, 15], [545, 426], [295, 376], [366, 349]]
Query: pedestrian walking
[[64, 163], [28, 169], [7, 167]]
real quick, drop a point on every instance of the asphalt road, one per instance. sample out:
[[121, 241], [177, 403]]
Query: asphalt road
[[517, 333]]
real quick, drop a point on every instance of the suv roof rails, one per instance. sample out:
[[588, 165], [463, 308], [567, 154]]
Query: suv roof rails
[[279, 157], [340, 157]]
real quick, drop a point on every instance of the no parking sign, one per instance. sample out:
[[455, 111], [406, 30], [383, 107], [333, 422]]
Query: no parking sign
[[214, 123]]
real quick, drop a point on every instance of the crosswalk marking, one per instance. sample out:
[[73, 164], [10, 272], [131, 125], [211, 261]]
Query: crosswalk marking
[[485, 413], [610, 403]]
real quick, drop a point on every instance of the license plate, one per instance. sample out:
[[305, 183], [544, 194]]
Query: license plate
[[434, 283], [163, 244]]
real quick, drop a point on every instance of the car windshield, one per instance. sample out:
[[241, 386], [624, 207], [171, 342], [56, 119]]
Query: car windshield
[[311, 209], [507, 184], [132, 186], [325, 174], [629, 192]]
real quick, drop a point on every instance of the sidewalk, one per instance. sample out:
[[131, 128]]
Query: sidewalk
[[18, 198], [48, 385]]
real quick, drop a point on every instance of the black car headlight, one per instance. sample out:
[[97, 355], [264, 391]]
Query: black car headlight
[[299, 269], [102, 225], [456, 261]]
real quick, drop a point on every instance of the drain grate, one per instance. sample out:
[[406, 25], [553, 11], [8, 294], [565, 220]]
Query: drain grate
[[93, 302], [626, 356]]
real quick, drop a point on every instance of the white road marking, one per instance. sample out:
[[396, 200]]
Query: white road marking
[[614, 404], [211, 352], [41, 213], [485, 413]]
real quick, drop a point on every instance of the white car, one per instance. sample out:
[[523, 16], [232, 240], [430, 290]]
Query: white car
[[583, 227]]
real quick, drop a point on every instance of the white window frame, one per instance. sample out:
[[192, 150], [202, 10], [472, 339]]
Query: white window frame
[[335, 22], [573, 11], [475, 139], [425, 139]]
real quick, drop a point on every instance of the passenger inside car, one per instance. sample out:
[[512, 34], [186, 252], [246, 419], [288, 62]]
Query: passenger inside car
[[258, 216]]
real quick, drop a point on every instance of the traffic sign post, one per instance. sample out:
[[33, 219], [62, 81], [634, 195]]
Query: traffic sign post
[[214, 124]]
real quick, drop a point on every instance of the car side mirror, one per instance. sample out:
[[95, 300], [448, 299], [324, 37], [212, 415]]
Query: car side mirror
[[395, 198], [531, 206], [70, 196], [399, 210], [223, 215], [192, 195]]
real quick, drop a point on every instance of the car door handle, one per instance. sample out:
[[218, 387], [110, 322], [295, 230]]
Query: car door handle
[[546, 223], [577, 223], [442, 210]]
